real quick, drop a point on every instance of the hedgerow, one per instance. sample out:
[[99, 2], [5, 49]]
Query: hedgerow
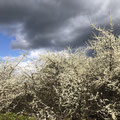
[[67, 85]]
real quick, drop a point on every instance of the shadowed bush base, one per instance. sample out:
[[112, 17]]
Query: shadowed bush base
[[67, 85]]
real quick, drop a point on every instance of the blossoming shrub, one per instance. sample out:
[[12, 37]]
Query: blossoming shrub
[[68, 85]]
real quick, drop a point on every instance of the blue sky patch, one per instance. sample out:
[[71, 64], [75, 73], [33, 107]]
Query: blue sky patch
[[5, 48]]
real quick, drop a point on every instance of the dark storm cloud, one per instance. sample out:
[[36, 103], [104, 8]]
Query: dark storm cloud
[[53, 23]]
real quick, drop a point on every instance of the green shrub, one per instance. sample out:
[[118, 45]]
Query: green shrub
[[13, 116]]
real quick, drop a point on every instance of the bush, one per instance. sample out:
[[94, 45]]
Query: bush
[[58, 84], [13, 116], [69, 85]]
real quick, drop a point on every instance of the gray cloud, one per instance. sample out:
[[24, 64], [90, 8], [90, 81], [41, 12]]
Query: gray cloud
[[53, 23]]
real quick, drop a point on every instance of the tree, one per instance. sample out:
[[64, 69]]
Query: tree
[[104, 74]]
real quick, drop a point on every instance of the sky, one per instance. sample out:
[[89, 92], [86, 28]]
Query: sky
[[51, 25]]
